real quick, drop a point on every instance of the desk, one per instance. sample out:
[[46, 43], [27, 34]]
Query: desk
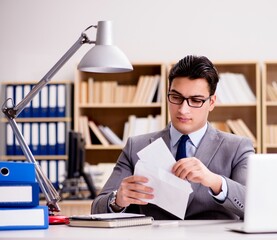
[[184, 230], [73, 207]]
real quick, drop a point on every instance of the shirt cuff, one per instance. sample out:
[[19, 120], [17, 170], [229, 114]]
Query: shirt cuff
[[222, 195]]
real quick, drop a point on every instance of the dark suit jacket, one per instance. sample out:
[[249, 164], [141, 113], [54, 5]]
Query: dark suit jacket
[[223, 153]]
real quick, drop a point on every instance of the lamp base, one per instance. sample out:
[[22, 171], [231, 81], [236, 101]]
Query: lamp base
[[58, 219]]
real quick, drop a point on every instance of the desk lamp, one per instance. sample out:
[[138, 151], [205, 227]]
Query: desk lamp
[[104, 57]]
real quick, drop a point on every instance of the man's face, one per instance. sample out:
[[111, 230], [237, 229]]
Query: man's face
[[184, 118]]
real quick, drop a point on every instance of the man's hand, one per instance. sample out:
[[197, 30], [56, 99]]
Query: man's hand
[[132, 190], [194, 170]]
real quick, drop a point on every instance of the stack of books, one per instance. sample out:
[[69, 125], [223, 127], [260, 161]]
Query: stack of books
[[233, 88], [19, 198], [235, 126], [145, 92], [99, 134]]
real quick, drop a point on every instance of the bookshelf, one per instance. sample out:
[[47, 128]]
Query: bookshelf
[[115, 113], [248, 112], [44, 124], [269, 107], [229, 111]]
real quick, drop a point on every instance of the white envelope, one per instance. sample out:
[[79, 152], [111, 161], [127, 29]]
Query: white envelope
[[170, 192]]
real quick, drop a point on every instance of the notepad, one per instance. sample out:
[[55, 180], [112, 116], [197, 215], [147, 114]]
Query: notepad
[[110, 220]]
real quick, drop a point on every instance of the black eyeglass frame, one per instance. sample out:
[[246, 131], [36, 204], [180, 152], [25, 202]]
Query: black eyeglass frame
[[187, 100]]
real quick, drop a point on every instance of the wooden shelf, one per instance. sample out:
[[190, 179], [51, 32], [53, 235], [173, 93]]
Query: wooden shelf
[[114, 115], [249, 112], [269, 108]]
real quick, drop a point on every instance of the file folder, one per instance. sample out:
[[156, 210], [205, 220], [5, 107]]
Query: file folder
[[17, 172], [10, 92], [44, 102], [27, 133], [24, 218], [27, 112], [61, 138], [19, 194], [10, 140], [18, 96], [43, 133], [35, 139], [53, 172], [35, 106], [52, 100], [52, 138], [61, 100]]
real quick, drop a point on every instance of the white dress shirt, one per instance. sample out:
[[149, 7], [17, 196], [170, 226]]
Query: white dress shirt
[[191, 147]]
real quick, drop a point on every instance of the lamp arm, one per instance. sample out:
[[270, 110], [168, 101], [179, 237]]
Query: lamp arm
[[50, 193], [48, 76], [11, 112]]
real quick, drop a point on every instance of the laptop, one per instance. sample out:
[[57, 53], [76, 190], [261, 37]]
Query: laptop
[[260, 215]]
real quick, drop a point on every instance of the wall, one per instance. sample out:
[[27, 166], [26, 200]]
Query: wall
[[35, 33]]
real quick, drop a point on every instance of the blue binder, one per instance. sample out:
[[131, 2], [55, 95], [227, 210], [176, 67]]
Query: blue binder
[[27, 112], [43, 138], [61, 138], [15, 218], [61, 97], [19, 96], [44, 102], [52, 141], [52, 100], [19, 194], [10, 140], [35, 138], [17, 172], [36, 106]]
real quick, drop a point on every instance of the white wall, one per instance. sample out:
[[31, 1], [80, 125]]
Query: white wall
[[35, 33]]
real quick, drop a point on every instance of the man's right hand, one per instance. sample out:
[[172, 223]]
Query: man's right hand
[[132, 191]]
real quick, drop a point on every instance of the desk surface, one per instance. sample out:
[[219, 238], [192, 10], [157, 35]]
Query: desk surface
[[174, 230]]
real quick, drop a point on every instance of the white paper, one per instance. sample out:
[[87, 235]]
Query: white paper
[[170, 192], [157, 154]]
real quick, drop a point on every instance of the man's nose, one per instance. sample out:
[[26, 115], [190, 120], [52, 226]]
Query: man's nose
[[184, 107]]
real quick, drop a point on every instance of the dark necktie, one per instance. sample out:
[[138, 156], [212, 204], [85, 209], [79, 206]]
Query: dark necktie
[[181, 150]]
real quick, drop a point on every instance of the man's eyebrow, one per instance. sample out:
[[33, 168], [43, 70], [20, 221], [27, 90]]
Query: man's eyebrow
[[174, 91], [193, 96]]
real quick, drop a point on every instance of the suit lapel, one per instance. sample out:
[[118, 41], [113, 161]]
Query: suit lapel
[[164, 134], [206, 150]]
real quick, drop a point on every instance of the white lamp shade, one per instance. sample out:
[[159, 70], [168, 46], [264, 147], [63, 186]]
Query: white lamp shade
[[104, 57]]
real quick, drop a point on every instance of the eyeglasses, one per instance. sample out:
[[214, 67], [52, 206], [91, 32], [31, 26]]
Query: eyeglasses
[[194, 102]]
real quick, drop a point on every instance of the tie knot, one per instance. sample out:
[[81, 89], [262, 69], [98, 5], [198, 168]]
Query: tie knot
[[184, 138]]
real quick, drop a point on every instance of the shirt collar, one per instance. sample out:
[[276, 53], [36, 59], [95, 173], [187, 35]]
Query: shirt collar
[[195, 137]]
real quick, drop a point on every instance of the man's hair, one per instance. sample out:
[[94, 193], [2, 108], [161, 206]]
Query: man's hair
[[194, 67]]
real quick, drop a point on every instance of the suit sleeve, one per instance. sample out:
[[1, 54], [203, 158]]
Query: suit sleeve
[[236, 182], [123, 168]]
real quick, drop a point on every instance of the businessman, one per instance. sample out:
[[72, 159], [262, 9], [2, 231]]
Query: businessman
[[214, 162]]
